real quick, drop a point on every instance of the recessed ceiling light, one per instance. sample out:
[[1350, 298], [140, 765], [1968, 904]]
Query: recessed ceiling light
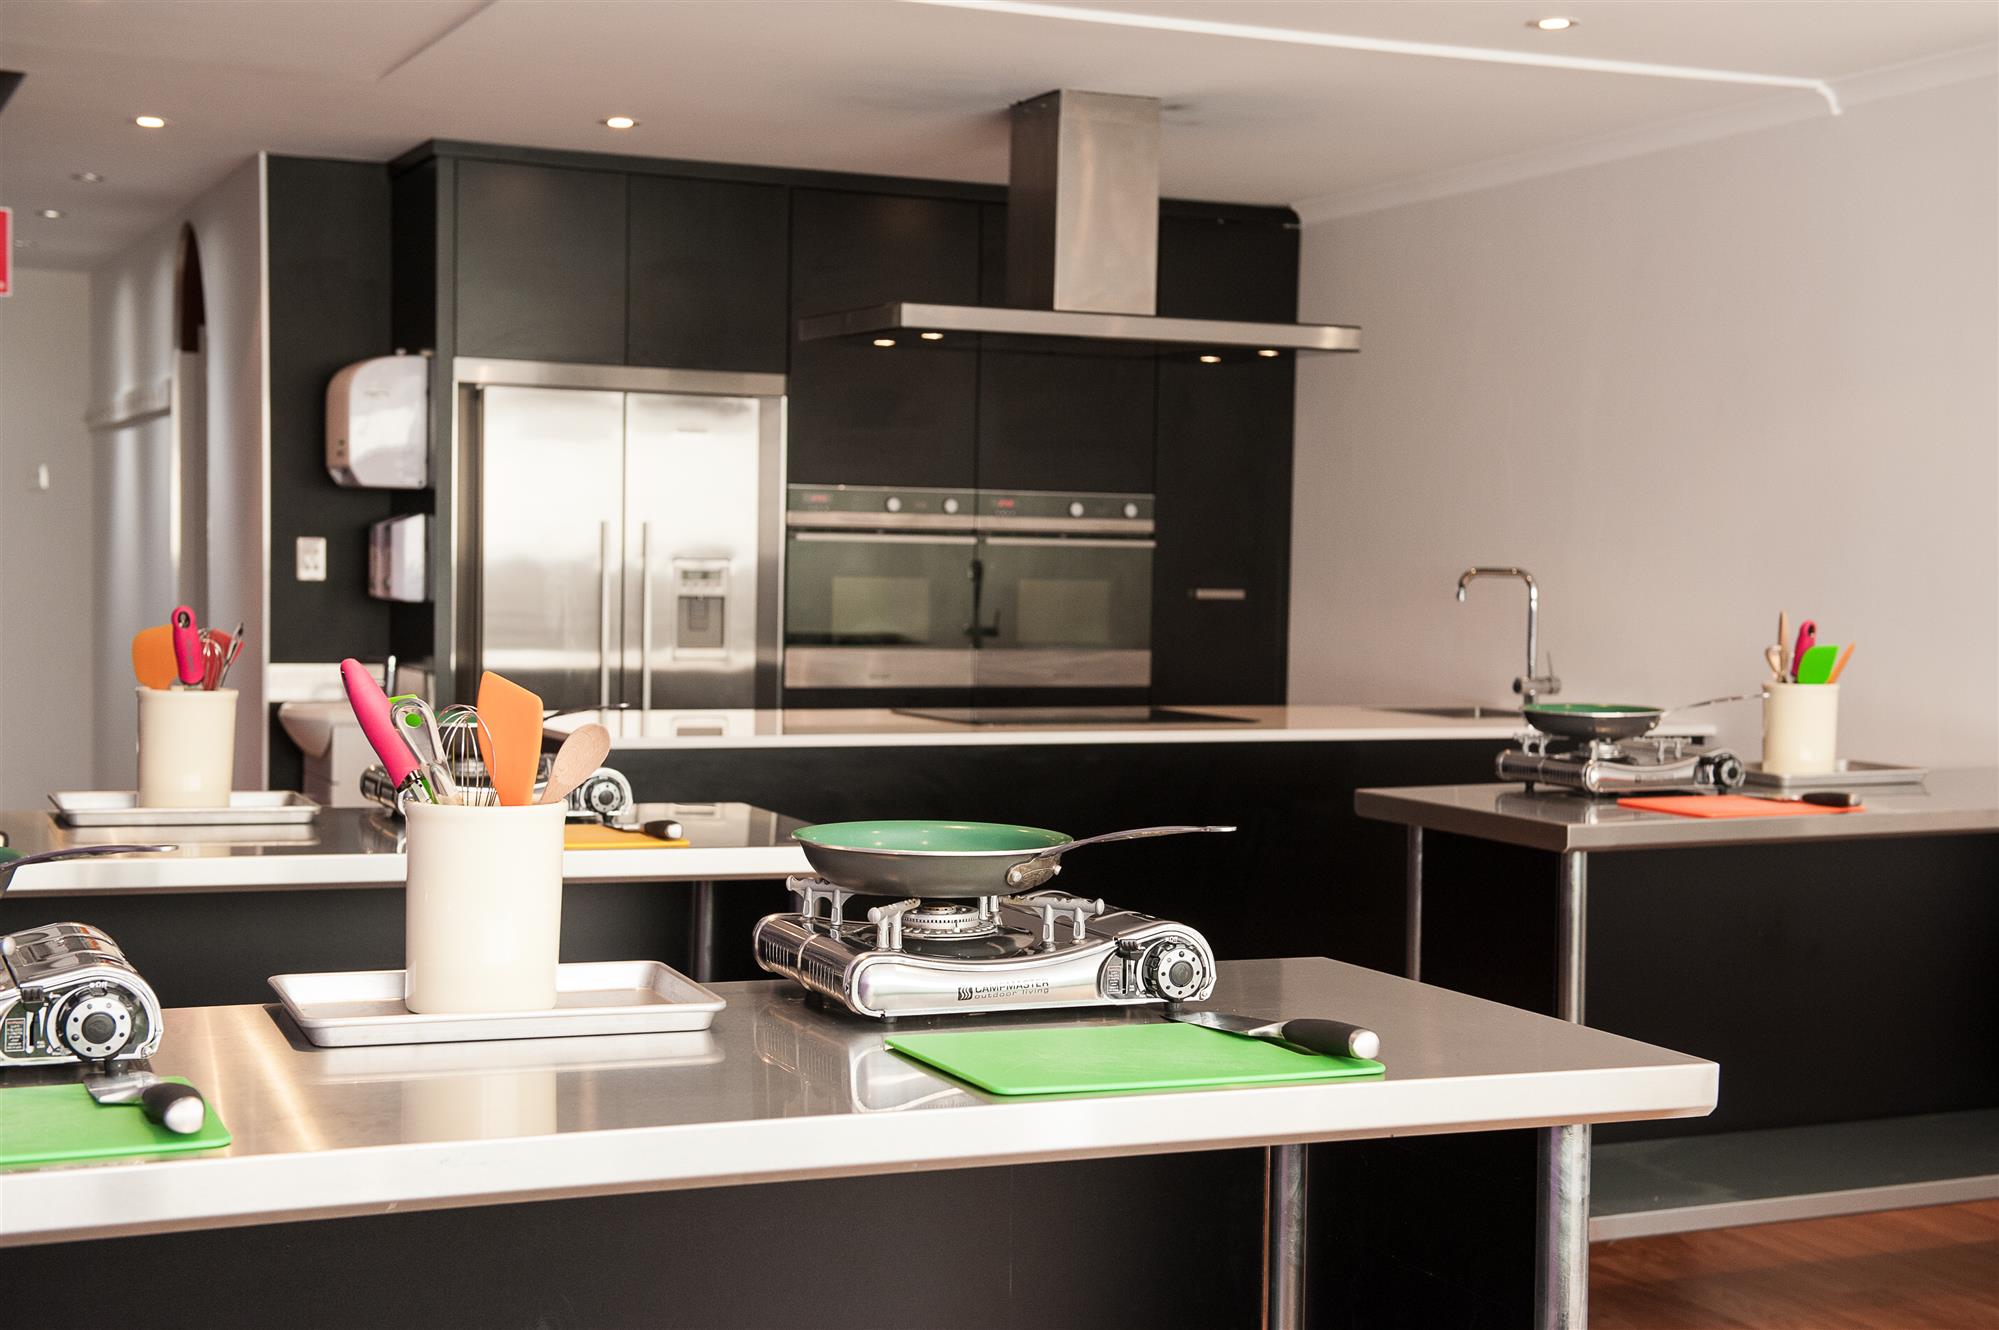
[[1552, 24], [620, 122], [149, 122], [884, 341], [1267, 353], [87, 177], [1211, 360], [931, 337], [53, 214]]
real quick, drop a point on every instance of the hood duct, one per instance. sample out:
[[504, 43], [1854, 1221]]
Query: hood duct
[[1082, 252]]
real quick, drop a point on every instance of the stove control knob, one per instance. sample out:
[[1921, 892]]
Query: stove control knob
[[96, 1025], [1076, 510], [1175, 971], [1131, 510], [894, 504], [950, 505]]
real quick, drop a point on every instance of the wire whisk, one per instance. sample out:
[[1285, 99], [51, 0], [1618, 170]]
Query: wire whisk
[[466, 740]]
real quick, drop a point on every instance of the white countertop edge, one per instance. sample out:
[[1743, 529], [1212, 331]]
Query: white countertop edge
[[300, 871], [996, 737], [196, 1191]]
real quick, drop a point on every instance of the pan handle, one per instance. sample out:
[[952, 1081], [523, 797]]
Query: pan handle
[[1038, 868]]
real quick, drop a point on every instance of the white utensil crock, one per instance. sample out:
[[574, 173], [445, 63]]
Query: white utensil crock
[[187, 747], [483, 910], [1800, 728]]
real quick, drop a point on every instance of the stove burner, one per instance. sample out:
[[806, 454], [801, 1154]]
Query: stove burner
[[1650, 763], [932, 920], [996, 946]]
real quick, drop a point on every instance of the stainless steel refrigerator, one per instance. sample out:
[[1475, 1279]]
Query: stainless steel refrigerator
[[628, 540]]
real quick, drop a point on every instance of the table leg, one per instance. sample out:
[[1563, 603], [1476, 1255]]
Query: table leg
[[1412, 905], [702, 941], [1284, 1238], [1561, 1274], [1571, 931], [1561, 1277]]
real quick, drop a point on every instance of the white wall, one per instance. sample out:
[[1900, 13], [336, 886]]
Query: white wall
[[46, 642], [1686, 390], [132, 358]]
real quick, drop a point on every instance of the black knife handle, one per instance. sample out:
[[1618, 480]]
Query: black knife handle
[[1336, 1038], [179, 1108]]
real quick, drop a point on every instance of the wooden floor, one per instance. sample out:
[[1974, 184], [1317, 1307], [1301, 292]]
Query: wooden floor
[[1929, 1269]]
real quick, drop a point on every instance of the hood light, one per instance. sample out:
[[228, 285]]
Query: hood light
[[1268, 354], [149, 122], [928, 337], [1551, 24], [1211, 360], [620, 122], [884, 341]]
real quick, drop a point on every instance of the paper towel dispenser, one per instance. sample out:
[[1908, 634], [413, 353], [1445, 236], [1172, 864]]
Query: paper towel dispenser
[[378, 423]]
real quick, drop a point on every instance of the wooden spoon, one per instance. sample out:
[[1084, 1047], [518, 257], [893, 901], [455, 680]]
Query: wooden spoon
[[581, 753]]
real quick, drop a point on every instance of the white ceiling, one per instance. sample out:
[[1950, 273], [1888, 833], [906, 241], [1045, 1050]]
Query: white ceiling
[[862, 85]]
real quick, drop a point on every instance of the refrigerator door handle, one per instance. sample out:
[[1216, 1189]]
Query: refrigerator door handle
[[645, 616], [604, 614]]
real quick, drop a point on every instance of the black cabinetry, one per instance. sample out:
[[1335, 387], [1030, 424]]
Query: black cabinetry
[[904, 414], [1222, 574], [541, 263], [707, 281]]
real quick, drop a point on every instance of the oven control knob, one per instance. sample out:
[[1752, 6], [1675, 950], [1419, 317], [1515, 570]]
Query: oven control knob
[[894, 504], [97, 1025], [1131, 510], [1075, 508], [950, 505], [1175, 971]]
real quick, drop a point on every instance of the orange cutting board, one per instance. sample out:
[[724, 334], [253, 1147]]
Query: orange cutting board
[[1726, 805], [588, 836]]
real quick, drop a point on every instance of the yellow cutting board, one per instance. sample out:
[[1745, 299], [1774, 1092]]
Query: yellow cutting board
[[595, 836]]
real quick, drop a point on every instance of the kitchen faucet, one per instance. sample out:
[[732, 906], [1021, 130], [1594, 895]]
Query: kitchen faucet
[[1529, 685]]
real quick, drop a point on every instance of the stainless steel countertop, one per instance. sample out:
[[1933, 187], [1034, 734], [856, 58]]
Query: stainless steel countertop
[[782, 1089], [878, 727], [362, 847], [1950, 802]]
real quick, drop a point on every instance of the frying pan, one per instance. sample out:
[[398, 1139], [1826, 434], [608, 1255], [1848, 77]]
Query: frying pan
[[1609, 720], [946, 860]]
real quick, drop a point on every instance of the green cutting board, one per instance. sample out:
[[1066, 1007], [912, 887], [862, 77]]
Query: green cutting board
[[55, 1124], [1075, 1059]]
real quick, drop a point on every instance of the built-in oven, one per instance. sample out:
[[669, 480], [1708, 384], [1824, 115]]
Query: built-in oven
[[878, 587], [1064, 589]]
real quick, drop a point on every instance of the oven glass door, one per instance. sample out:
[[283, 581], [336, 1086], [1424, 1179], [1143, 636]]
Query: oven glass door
[[1065, 611], [874, 609]]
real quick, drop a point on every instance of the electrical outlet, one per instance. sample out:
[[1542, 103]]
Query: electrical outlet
[[312, 558]]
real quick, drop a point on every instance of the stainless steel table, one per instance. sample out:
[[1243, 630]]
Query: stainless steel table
[[783, 1089], [1573, 826]]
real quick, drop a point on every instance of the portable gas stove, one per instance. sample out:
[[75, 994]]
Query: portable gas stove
[[1651, 764], [987, 953]]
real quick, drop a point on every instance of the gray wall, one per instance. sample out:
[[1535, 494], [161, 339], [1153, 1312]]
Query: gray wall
[[1686, 390], [46, 642]]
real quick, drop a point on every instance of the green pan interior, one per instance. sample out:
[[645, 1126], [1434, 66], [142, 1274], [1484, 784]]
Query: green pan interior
[[1589, 709], [931, 837]]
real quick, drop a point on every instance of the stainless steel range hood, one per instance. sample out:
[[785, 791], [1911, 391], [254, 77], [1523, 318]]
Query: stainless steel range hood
[[1082, 246]]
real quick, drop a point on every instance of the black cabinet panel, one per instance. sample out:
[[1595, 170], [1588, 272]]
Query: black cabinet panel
[[541, 263], [709, 276], [330, 305], [1215, 267], [1224, 513], [1065, 422], [899, 415]]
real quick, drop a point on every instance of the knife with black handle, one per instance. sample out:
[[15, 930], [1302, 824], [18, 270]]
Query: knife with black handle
[[1333, 1038]]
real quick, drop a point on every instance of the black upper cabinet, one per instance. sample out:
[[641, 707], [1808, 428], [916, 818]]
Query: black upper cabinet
[[1227, 266], [900, 415], [541, 263], [1224, 515], [708, 275]]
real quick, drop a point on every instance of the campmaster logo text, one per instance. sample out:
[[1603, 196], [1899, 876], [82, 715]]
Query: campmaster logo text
[[1018, 988]]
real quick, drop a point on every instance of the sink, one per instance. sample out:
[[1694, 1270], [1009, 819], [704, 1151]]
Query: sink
[[1455, 713]]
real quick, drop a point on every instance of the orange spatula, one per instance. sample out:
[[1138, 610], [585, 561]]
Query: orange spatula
[[153, 656], [510, 738]]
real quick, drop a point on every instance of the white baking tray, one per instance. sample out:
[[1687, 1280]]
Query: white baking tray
[[355, 1007], [120, 808], [1848, 773]]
